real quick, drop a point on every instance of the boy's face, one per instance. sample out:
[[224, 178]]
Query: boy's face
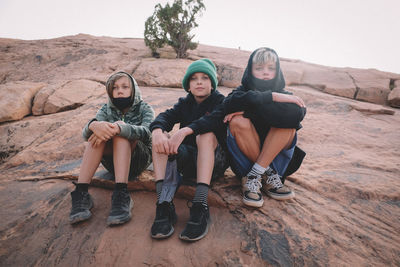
[[200, 85], [264, 71], [122, 88]]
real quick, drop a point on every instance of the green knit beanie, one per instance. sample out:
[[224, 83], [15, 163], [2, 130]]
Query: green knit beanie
[[203, 65]]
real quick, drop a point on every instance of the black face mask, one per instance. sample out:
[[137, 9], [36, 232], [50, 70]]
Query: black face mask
[[122, 102], [262, 85]]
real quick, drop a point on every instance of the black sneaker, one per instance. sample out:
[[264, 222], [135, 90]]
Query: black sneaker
[[273, 187], [121, 205], [164, 221], [197, 226], [81, 204]]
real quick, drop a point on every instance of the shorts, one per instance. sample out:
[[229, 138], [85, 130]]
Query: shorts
[[241, 165], [140, 160], [187, 162]]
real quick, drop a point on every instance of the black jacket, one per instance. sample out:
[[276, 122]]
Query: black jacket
[[190, 114], [254, 97]]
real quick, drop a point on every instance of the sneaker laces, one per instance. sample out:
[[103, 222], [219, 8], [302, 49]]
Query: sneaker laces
[[274, 180], [253, 184]]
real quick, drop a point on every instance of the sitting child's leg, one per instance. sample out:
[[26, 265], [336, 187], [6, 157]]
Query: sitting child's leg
[[198, 224], [122, 203], [248, 141], [81, 200], [165, 212], [246, 136], [277, 141]]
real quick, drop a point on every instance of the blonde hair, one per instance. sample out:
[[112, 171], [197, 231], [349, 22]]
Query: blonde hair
[[263, 56]]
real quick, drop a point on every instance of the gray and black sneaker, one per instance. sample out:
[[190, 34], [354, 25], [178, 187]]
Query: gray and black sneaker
[[251, 191], [81, 204], [165, 219], [273, 187], [197, 226], [121, 205]]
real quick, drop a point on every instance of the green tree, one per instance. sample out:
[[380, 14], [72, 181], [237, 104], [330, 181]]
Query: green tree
[[171, 25]]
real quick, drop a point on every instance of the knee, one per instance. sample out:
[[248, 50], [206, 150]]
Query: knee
[[207, 139], [119, 140], [239, 123]]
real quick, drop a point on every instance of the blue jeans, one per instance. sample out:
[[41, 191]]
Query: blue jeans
[[241, 165]]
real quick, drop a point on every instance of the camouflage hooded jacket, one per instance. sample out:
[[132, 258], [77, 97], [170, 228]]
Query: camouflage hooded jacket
[[137, 119]]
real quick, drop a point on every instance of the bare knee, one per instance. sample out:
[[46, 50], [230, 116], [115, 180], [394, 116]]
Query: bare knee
[[239, 123], [207, 139], [121, 142], [119, 139]]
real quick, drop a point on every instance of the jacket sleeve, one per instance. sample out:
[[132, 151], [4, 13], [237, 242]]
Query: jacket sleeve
[[101, 115], [239, 100], [260, 104], [281, 115], [210, 122], [167, 119], [139, 132]]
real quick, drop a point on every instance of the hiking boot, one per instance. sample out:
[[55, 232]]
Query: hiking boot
[[81, 204], [197, 226], [273, 187], [251, 191], [165, 219], [121, 205]]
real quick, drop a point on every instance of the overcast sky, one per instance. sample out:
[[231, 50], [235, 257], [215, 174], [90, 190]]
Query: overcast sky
[[342, 33]]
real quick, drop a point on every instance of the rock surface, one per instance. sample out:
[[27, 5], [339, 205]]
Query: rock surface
[[347, 206], [16, 99], [394, 96]]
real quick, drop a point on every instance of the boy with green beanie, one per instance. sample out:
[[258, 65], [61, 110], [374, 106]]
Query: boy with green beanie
[[189, 152]]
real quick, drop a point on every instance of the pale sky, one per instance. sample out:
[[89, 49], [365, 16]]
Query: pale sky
[[340, 33]]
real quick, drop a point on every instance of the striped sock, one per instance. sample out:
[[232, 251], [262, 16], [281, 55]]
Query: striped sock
[[201, 194], [159, 185], [257, 170]]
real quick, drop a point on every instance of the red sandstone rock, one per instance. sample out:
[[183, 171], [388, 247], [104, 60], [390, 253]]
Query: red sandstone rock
[[394, 96], [71, 95], [16, 99], [161, 72], [347, 200]]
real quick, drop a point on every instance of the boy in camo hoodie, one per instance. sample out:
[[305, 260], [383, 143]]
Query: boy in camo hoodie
[[120, 139]]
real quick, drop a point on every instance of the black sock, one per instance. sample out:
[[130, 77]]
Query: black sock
[[121, 186], [82, 187], [159, 185], [201, 194]]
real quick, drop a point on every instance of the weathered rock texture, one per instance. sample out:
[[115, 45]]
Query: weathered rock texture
[[347, 206]]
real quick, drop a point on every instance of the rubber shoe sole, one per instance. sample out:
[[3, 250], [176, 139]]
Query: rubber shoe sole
[[185, 238], [81, 216], [280, 196], [253, 203], [161, 236], [116, 220]]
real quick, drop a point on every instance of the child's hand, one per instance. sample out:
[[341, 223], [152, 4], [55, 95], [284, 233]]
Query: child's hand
[[229, 117], [176, 140], [94, 141], [104, 130], [278, 97], [160, 141]]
